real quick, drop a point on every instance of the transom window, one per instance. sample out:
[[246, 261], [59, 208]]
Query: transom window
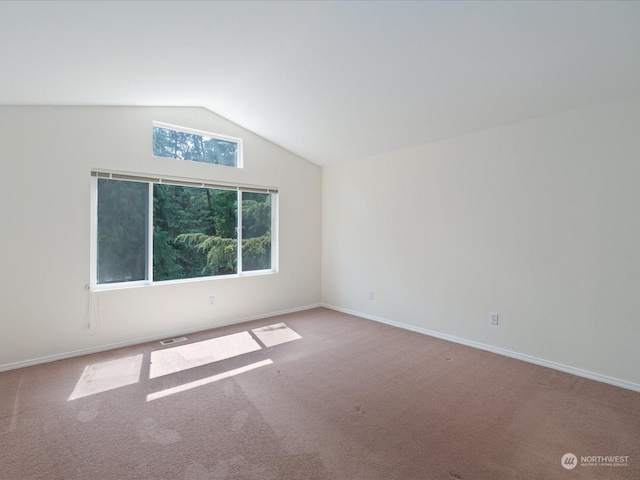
[[194, 145], [150, 230]]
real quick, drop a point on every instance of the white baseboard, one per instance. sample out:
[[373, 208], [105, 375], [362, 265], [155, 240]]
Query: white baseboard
[[138, 341], [500, 351]]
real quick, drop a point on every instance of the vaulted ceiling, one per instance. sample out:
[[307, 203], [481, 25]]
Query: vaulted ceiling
[[330, 81]]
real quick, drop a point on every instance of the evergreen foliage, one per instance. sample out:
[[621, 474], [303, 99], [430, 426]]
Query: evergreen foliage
[[194, 229], [197, 148]]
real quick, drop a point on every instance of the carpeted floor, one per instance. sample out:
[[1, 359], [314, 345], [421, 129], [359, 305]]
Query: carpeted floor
[[323, 396]]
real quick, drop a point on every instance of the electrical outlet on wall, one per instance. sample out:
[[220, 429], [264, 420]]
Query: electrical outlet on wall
[[494, 318], [372, 295], [212, 301]]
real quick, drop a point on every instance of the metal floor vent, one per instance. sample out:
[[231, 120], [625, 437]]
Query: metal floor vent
[[173, 340]]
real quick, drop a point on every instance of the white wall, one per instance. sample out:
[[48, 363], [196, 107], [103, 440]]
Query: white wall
[[538, 221], [47, 154]]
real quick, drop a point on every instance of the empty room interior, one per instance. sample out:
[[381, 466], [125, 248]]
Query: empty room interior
[[320, 240]]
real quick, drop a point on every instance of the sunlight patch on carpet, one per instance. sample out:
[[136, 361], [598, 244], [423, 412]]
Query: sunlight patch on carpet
[[105, 376], [177, 359], [275, 334], [205, 381]]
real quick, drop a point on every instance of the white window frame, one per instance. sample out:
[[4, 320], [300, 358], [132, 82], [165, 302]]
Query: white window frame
[[151, 180], [203, 133]]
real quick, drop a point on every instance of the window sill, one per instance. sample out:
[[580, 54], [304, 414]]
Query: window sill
[[139, 284]]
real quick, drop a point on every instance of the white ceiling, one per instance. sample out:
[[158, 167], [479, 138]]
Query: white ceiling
[[330, 81]]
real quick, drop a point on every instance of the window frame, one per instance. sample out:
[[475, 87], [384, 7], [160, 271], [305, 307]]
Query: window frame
[[201, 133], [195, 183]]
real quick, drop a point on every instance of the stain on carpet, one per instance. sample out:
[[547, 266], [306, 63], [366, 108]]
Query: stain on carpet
[[88, 414], [150, 432]]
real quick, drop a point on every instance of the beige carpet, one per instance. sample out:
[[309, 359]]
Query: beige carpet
[[312, 395]]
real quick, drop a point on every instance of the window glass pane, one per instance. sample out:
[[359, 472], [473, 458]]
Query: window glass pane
[[122, 231], [256, 231], [197, 148], [194, 232]]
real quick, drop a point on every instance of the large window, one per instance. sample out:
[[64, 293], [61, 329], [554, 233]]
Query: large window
[[154, 230], [196, 146]]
